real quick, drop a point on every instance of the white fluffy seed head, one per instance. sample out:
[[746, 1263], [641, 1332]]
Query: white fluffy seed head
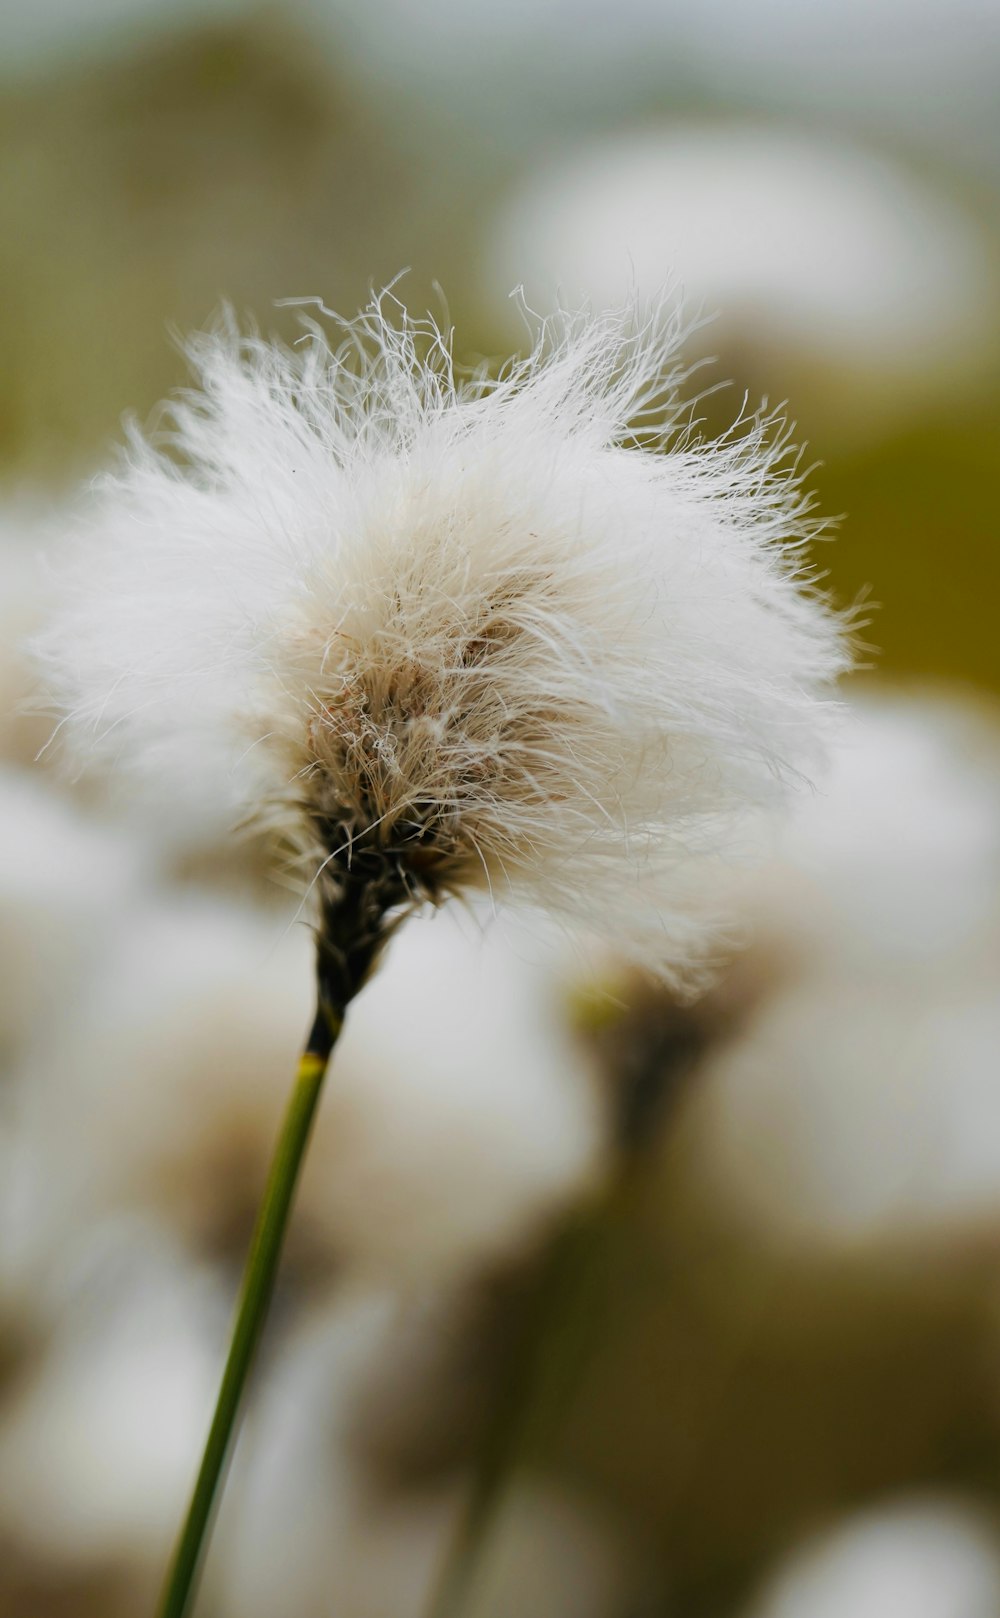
[[526, 632]]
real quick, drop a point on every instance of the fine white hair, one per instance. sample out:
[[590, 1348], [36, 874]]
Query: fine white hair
[[527, 631]]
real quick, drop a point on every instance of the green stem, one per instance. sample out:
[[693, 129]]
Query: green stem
[[258, 1284]]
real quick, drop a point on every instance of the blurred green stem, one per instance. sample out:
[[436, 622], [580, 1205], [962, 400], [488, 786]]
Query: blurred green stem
[[258, 1284], [558, 1331], [540, 1375]]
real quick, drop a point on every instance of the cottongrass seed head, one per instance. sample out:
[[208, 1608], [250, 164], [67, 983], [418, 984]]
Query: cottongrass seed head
[[526, 632]]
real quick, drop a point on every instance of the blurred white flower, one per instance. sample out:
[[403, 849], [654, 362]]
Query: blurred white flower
[[97, 1436], [911, 1558], [860, 1101], [158, 1092], [460, 1119], [463, 1114], [852, 1111], [523, 634], [810, 244], [64, 880], [895, 864]]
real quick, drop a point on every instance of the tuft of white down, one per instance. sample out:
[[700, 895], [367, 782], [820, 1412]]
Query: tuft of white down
[[529, 628]]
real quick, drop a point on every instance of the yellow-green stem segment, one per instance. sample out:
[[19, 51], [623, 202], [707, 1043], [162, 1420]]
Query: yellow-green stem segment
[[258, 1284]]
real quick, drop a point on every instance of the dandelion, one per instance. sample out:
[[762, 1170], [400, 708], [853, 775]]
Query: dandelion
[[524, 633]]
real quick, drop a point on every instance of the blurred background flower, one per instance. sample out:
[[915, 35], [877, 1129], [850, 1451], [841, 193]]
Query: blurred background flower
[[786, 1402]]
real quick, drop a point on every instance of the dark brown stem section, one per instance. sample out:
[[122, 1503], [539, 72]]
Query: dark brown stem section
[[354, 926]]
